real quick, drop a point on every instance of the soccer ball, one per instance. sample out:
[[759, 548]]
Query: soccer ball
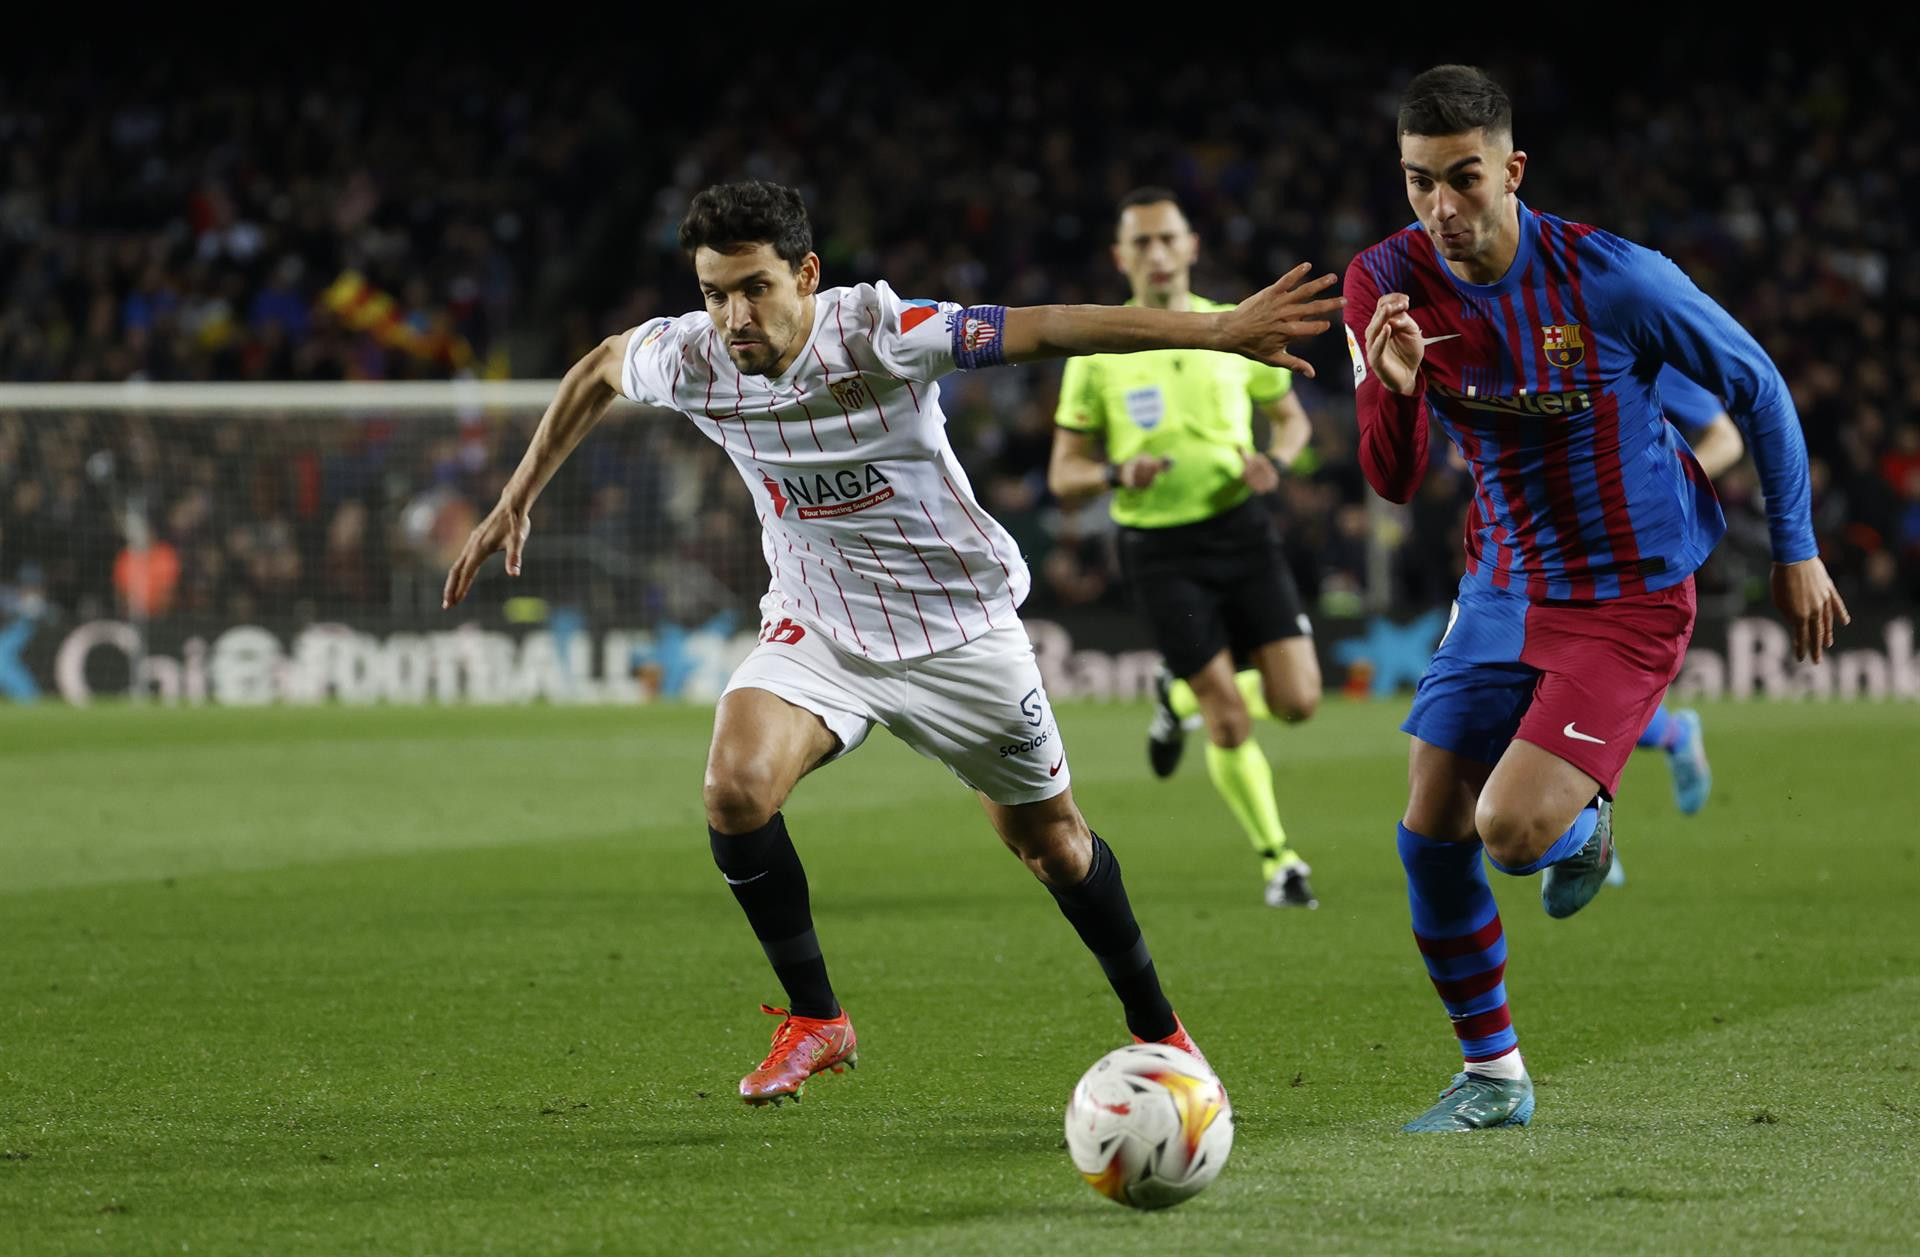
[[1149, 1126]]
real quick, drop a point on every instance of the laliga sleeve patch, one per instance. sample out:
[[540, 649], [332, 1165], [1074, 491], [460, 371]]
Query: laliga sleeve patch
[[914, 313], [1359, 359]]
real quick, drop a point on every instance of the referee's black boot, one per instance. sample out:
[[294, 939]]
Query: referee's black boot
[[1166, 735]]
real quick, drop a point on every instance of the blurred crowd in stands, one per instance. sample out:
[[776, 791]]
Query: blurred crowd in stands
[[444, 214]]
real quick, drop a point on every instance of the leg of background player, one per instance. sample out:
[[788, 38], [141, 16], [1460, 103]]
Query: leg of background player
[[1678, 733], [1244, 778], [1285, 678], [1287, 673], [1658, 735], [1253, 692]]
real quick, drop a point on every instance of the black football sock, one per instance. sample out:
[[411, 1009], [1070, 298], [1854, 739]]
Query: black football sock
[[1099, 910], [764, 873]]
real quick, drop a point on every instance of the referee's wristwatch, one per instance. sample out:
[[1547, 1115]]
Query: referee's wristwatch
[[1113, 475], [1278, 466]]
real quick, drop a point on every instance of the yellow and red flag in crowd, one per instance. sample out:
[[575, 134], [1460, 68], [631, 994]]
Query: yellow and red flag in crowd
[[359, 305]]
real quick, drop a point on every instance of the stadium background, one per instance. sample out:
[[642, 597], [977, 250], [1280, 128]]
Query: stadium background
[[420, 979], [456, 214]]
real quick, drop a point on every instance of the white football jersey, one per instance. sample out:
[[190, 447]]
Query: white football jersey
[[869, 526]]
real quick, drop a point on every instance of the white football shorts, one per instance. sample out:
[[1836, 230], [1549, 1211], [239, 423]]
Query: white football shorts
[[979, 708]]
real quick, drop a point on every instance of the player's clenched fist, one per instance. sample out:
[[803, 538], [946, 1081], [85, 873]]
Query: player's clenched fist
[[1394, 345]]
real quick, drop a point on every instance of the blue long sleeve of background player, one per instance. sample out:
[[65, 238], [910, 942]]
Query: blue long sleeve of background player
[[1686, 405], [1672, 321]]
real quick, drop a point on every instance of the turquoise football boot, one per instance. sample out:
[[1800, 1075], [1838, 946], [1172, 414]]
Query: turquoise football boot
[[1570, 885], [1692, 778], [1472, 1102]]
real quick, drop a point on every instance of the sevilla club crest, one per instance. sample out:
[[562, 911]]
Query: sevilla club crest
[[1563, 344], [851, 393]]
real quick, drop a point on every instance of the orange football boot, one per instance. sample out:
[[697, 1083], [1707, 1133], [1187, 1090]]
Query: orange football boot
[[1180, 1039], [802, 1047]]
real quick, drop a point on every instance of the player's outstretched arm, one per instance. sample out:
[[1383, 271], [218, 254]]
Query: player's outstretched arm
[[1261, 327], [586, 391]]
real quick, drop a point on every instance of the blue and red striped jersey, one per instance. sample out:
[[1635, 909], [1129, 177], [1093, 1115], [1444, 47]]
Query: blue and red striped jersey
[[1546, 381]]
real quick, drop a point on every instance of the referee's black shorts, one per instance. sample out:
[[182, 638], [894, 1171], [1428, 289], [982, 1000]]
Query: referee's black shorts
[[1219, 584]]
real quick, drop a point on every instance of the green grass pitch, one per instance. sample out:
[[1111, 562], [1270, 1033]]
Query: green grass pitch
[[465, 981]]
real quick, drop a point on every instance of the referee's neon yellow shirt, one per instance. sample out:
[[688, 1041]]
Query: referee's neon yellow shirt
[[1193, 406]]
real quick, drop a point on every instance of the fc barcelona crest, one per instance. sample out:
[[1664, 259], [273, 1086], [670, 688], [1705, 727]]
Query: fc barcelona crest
[[1563, 345]]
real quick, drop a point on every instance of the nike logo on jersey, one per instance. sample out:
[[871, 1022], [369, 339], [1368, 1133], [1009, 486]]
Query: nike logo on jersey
[[1434, 340], [1578, 736], [1055, 770]]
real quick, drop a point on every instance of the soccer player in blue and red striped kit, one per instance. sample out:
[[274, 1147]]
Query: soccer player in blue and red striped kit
[[1718, 447], [1537, 343]]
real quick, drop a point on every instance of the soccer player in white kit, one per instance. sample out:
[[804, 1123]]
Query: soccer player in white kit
[[894, 597]]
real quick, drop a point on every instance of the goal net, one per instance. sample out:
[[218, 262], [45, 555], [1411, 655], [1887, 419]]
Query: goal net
[[254, 544]]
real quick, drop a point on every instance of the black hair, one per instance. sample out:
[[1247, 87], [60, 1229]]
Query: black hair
[[1149, 196], [729, 217], [1454, 99]]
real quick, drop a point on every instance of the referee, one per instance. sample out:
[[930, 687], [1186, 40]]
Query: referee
[[1171, 432]]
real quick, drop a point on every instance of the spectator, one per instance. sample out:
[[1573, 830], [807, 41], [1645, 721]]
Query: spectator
[[409, 215]]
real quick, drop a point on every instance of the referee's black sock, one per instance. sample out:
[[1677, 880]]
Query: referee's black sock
[[1099, 910], [764, 873]]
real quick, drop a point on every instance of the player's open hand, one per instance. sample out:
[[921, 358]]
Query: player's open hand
[[1290, 309], [1142, 470], [504, 528], [1810, 605], [1395, 347]]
